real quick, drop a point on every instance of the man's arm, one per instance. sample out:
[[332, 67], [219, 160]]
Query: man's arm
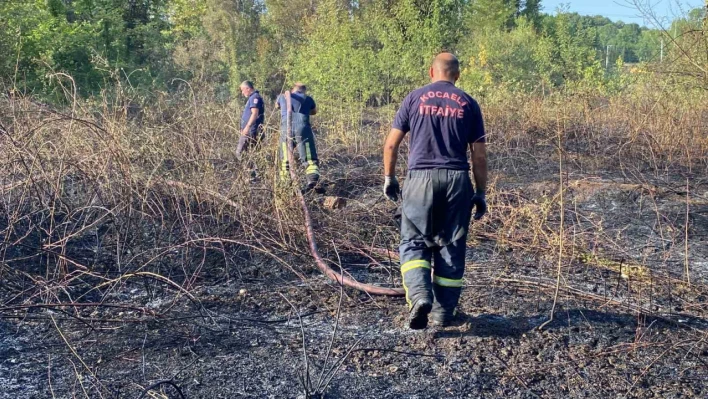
[[399, 129], [479, 166], [313, 111], [390, 151], [390, 155], [251, 121]]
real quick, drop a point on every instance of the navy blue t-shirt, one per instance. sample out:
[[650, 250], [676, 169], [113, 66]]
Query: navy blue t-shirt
[[301, 104], [442, 120], [254, 101]]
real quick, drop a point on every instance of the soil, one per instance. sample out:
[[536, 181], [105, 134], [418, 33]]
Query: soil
[[251, 345], [257, 330]]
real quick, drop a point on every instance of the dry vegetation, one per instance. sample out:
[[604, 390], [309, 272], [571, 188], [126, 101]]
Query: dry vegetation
[[113, 219]]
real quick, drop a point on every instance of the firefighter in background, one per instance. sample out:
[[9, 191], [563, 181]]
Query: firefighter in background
[[438, 196], [302, 107], [251, 120]]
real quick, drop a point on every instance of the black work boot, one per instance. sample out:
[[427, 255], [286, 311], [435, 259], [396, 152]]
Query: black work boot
[[445, 306], [442, 318], [417, 282], [312, 179], [418, 318]]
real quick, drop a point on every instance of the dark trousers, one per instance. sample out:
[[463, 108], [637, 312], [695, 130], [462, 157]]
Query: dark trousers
[[435, 218], [303, 140], [250, 140]]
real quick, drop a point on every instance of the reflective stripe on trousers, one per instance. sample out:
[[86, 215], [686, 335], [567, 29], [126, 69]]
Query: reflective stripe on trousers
[[303, 140], [435, 217], [416, 280]]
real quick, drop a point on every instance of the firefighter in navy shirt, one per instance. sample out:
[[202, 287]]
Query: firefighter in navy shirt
[[301, 137], [438, 195], [251, 120]]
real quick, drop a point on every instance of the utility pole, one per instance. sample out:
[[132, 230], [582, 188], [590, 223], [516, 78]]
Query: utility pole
[[661, 57], [607, 57]]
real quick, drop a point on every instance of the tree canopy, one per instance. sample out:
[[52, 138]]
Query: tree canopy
[[367, 51]]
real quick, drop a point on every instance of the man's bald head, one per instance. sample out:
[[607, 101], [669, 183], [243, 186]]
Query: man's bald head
[[445, 67]]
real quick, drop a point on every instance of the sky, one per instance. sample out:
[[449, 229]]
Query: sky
[[624, 10]]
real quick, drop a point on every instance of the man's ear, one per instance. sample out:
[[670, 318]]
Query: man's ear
[[456, 77], [431, 72]]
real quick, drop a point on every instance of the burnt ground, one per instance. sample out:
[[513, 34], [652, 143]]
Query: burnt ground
[[251, 345], [637, 332]]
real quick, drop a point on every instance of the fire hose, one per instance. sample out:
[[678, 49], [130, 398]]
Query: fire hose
[[310, 231]]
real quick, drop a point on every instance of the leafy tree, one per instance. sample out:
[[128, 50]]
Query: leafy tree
[[531, 10], [649, 46], [332, 61], [485, 15], [356, 51], [20, 44], [566, 54], [627, 39], [688, 49], [502, 61], [376, 53]]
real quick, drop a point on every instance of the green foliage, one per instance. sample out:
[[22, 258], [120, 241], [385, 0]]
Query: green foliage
[[19, 42], [333, 58], [376, 53], [649, 46], [687, 49], [501, 59], [360, 52], [567, 54], [487, 15], [92, 41], [522, 59]]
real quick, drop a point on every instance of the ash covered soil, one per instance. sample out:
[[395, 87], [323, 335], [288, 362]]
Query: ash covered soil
[[251, 345], [625, 325]]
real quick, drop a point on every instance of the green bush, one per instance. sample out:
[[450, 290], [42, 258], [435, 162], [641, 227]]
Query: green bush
[[357, 53]]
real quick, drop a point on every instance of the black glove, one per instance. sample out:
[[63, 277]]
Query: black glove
[[391, 188], [479, 201], [397, 216]]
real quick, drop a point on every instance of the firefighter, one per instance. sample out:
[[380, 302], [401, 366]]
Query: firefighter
[[438, 195], [302, 107], [251, 120]]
